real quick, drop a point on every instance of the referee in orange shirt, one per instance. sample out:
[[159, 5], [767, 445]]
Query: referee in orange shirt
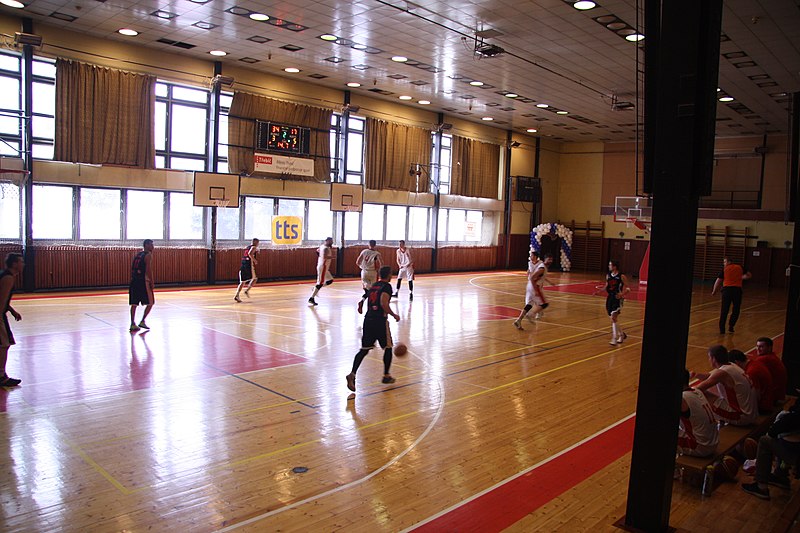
[[730, 279]]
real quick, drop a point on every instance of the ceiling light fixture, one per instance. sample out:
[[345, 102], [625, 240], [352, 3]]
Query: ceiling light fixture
[[634, 37], [531, 130], [726, 99], [360, 46], [511, 95], [405, 97], [584, 5], [562, 112], [12, 3], [291, 70], [127, 31], [424, 102], [542, 106], [328, 37], [259, 16], [399, 59], [487, 119], [218, 53], [476, 83], [354, 84]]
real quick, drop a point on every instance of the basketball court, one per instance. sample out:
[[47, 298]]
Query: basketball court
[[236, 417]]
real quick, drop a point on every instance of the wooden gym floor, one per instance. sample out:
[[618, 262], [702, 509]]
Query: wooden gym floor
[[231, 416]]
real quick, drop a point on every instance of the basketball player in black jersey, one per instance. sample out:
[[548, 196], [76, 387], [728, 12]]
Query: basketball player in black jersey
[[376, 327], [247, 272], [14, 265], [142, 284], [616, 288]]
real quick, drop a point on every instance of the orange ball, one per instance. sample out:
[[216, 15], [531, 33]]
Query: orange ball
[[400, 349]]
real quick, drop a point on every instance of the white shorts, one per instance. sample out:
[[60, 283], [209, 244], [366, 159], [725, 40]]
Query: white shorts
[[406, 273], [323, 274], [726, 413], [532, 297], [368, 278]]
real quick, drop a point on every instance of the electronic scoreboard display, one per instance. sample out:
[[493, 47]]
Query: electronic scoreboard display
[[282, 138]]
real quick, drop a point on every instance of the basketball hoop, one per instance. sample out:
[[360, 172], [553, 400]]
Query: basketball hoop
[[351, 208], [221, 203], [16, 177]]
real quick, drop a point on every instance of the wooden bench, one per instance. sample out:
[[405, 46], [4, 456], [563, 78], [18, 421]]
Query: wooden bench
[[700, 470]]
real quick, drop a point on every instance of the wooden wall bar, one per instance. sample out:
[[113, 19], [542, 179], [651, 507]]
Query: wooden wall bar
[[467, 258], [273, 263]]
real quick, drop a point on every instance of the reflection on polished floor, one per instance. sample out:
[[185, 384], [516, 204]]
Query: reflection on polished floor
[[231, 416]]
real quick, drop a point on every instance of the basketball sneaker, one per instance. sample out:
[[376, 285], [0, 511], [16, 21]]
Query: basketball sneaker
[[312, 301], [517, 324], [6, 381], [613, 342], [239, 300], [753, 488], [388, 379], [247, 292], [411, 296], [143, 325], [351, 381], [134, 327], [622, 338]]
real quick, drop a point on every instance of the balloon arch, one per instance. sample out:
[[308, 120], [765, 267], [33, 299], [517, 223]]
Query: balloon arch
[[566, 241]]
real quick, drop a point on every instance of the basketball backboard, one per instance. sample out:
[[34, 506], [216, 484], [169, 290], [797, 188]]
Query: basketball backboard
[[347, 197], [633, 210], [216, 190]]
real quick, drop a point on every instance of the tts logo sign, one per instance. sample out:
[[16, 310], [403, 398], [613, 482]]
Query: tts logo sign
[[287, 230]]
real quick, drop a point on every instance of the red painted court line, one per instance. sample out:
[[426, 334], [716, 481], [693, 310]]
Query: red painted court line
[[509, 502]]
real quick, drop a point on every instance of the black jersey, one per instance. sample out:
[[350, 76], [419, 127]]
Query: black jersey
[[614, 283], [7, 303], [246, 258], [374, 307], [139, 266]]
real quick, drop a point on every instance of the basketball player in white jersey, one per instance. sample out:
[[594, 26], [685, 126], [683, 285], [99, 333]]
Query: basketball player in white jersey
[[405, 267], [698, 434], [324, 277], [369, 261], [728, 389], [534, 292]]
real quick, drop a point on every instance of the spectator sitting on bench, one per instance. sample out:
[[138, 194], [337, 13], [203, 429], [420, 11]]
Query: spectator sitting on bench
[[734, 401], [781, 442], [775, 366], [759, 376], [698, 434]]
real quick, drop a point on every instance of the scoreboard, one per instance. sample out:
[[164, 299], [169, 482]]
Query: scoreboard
[[282, 138]]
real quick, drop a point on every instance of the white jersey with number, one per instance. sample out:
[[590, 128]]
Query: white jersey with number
[[368, 260], [739, 405], [698, 435], [531, 294], [323, 256], [405, 265]]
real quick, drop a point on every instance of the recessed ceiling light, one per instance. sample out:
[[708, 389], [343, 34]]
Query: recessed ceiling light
[[424, 102], [360, 46], [583, 5], [219, 53], [726, 99], [634, 38], [718, 89], [399, 59], [487, 118], [291, 70], [259, 16], [562, 113], [543, 106], [531, 130], [511, 95], [405, 97], [476, 83], [328, 37], [12, 3], [353, 84], [124, 31]]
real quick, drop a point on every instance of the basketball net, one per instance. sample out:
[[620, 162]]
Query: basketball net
[[221, 203]]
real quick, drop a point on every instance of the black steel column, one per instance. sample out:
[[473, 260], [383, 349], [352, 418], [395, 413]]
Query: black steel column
[[508, 201], [28, 251], [536, 208], [791, 339], [688, 63], [435, 176], [344, 129], [212, 162]]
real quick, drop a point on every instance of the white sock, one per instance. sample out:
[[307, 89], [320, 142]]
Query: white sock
[[614, 330]]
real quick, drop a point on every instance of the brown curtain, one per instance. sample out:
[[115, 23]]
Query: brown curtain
[[104, 115], [390, 151], [246, 107], [475, 169]]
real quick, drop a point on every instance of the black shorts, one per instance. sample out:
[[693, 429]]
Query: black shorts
[[376, 330], [613, 304], [246, 272], [6, 337], [137, 293]]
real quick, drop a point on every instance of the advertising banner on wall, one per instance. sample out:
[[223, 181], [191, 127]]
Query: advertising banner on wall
[[287, 230], [280, 164]]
